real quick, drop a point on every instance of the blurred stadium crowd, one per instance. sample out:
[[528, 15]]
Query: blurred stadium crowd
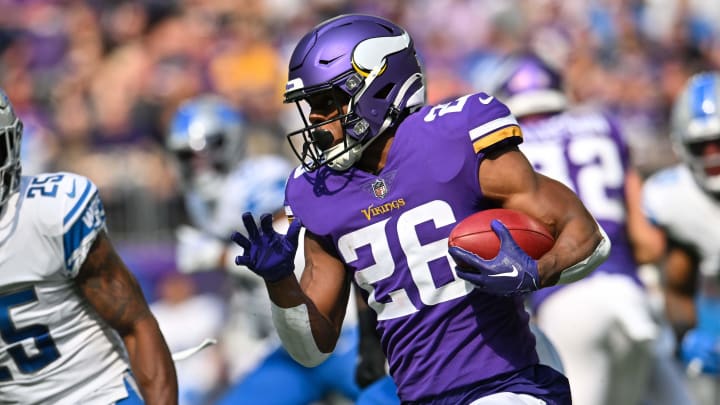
[[96, 81]]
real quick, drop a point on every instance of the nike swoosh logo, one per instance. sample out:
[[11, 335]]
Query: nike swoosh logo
[[513, 273], [71, 194], [486, 100]]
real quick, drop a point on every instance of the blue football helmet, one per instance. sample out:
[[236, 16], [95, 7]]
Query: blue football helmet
[[696, 128], [528, 85], [364, 62], [206, 137], [11, 129]]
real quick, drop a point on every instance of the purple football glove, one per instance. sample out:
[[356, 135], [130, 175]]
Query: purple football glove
[[511, 272], [267, 253]]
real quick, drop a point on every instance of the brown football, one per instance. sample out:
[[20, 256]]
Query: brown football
[[475, 235]]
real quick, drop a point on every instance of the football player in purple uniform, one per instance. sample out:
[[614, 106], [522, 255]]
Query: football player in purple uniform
[[608, 356], [384, 178]]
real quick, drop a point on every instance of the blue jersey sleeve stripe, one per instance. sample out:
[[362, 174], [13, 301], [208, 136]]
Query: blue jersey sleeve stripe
[[72, 239], [77, 245], [79, 204], [79, 237]]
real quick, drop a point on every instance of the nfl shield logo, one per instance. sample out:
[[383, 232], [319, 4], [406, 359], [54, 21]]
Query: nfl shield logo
[[379, 188]]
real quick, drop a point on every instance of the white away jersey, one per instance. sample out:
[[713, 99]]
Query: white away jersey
[[53, 347], [673, 200]]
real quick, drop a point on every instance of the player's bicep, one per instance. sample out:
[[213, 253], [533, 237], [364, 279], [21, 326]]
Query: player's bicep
[[505, 172], [110, 288], [508, 178], [324, 279]]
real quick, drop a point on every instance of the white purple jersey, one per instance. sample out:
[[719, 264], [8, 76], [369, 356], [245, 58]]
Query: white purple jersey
[[439, 333], [584, 149], [53, 347]]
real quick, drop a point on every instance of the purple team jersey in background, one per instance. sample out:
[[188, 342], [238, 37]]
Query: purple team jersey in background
[[439, 333], [584, 149]]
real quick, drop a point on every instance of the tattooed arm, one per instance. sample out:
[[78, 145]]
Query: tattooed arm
[[112, 290]]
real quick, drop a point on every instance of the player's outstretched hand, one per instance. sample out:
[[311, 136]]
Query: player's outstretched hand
[[511, 272], [267, 253]]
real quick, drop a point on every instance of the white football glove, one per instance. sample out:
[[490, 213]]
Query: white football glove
[[197, 251]]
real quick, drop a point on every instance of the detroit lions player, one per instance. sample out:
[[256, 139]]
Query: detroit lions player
[[384, 178], [74, 325], [684, 200], [607, 356], [220, 183]]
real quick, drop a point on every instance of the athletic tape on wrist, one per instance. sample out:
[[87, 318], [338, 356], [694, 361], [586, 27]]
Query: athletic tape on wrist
[[293, 327], [586, 266]]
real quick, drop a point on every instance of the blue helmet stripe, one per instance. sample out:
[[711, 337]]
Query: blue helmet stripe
[[703, 97]]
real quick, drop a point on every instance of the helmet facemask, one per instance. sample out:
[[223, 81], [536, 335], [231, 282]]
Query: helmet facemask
[[705, 165], [10, 140], [313, 145]]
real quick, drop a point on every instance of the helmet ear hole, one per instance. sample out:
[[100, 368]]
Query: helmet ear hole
[[384, 91]]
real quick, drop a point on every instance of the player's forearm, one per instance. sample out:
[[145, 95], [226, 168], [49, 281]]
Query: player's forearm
[[648, 241], [286, 292], [151, 363], [306, 333], [579, 248]]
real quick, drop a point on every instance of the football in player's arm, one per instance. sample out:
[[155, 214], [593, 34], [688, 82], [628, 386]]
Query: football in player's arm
[[384, 178]]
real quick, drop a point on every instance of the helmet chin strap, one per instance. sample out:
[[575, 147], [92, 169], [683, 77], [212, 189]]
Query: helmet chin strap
[[346, 157]]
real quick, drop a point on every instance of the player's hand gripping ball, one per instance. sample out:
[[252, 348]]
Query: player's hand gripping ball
[[497, 249]]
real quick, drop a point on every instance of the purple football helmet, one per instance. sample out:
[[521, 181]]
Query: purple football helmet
[[364, 62], [528, 85], [11, 129]]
